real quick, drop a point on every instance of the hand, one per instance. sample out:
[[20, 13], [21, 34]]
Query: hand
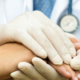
[[40, 71], [40, 35]]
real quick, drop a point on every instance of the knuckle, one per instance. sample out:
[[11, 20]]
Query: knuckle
[[47, 29], [17, 32], [33, 30]]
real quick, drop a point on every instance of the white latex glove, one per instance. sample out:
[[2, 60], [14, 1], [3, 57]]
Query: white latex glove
[[40, 35], [40, 71], [75, 63]]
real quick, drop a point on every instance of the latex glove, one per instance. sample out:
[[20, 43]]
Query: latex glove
[[40, 35], [32, 73], [75, 63], [41, 71]]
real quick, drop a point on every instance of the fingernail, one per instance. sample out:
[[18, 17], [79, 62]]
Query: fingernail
[[68, 73], [78, 76]]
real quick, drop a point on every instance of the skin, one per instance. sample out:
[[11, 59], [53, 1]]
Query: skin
[[16, 53]]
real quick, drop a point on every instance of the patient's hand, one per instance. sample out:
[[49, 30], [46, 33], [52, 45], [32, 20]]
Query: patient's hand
[[10, 55]]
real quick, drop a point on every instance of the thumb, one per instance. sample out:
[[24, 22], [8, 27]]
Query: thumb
[[75, 63]]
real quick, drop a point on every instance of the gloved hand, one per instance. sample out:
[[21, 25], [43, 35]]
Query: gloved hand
[[40, 35], [40, 71]]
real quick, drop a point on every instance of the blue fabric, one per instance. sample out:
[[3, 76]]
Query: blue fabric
[[45, 6]]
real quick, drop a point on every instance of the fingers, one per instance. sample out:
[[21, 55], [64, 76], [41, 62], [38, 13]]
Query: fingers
[[46, 44], [19, 75], [30, 71], [58, 44], [75, 63], [65, 70], [28, 41], [17, 30], [65, 40], [46, 70], [61, 34], [73, 74], [61, 69]]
